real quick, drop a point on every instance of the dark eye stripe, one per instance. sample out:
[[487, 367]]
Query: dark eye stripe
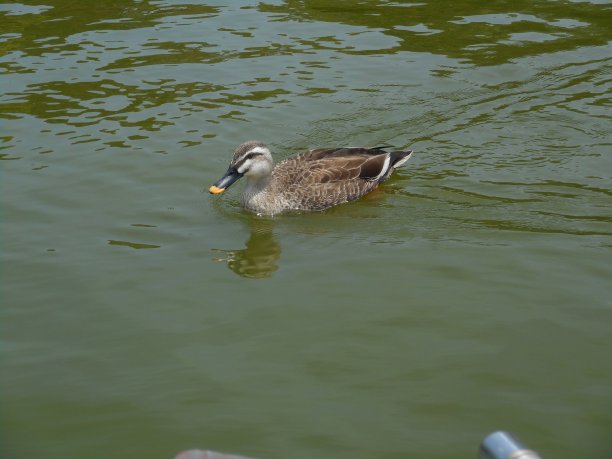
[[245, 158]]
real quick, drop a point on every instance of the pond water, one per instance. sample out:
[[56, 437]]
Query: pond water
[[472, 292]]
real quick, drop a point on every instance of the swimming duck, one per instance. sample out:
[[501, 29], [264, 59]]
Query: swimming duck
[[313, 180]]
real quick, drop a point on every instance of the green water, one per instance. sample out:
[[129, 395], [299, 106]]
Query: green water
[[472, 292]]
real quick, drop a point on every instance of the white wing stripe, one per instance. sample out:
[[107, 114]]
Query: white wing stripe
[[384, 169]]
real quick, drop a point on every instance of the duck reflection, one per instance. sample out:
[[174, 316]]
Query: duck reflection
[[259, 258]]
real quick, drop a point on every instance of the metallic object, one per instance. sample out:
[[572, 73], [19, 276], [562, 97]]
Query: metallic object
[[504, 445]]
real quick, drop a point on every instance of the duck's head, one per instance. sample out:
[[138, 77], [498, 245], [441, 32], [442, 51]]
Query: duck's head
[[251, 159]]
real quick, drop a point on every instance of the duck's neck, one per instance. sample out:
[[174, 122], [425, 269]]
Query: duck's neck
[[256, 185], [254, 195]]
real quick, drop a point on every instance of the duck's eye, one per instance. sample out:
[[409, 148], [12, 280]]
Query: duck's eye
[[252, 155]]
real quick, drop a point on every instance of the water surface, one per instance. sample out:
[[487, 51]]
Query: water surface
[[470, 293]]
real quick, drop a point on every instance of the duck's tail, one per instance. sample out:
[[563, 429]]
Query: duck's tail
[[398, 158]]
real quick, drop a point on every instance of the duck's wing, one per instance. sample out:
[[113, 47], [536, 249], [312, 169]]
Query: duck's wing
[[322, 153], [375, 163], [300, 170], [331, 180], [335, 165]]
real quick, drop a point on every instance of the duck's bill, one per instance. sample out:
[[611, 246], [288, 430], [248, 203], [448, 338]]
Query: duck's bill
[[225, 182], [215, 189]]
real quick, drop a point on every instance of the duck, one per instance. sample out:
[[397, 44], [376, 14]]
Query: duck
[[314, 180]]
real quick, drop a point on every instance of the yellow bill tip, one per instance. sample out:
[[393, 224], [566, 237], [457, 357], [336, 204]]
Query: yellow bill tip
[[216, 190]]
